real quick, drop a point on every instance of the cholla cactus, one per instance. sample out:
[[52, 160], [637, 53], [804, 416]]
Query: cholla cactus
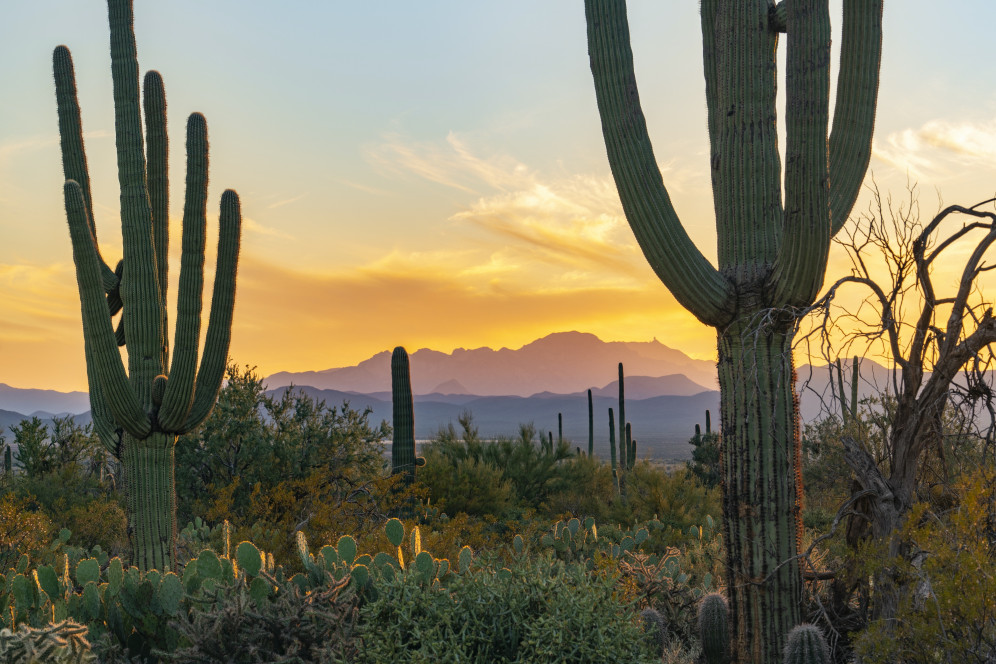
[[59, 643]]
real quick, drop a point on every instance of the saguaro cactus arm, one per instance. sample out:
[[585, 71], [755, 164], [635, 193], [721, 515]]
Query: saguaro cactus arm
[[219, 332], [696, 284], [74, 165], [855, 107], [815, 181], [139, 288], [157, 176], [101, 348], [805, 242], [180, 389]]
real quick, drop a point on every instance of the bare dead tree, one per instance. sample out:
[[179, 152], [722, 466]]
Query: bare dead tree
[[935, 336]]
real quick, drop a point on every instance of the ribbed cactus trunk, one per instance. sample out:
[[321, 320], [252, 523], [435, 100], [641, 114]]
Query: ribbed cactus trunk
[[772, 248], [761, 486], [591, 427], [138, 413], [403, 457], [612, 450], [623, 441]]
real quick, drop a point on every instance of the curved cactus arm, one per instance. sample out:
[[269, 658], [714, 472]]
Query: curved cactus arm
[[100, 412], [219, 332], [696, 284], [97, 331], [157, 177], [180, 389], [139, 288], [74, 165], [854, 110], [802, 254]]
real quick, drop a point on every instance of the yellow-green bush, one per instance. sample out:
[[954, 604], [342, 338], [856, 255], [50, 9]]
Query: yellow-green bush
[[948, 612]]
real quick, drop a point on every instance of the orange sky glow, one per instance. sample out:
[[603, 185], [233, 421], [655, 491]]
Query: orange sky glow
[[440, 191]]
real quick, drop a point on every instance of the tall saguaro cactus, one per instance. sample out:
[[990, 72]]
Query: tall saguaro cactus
[[772, 255], [139, 413], [403, 458], [623, 441]]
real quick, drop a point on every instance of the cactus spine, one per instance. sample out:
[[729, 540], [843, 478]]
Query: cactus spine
[[772, 255], [139, 413], [403, 458], [714, 628], [591, 427], [806, 645]]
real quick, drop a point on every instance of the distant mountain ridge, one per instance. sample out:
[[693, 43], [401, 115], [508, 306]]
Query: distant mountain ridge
[[559, 363], [43, 402]]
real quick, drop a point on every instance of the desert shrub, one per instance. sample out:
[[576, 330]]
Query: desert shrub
[[290, 626], [675, 498], [468, 484], [537, 611], [23, 529], [705, 458], [253, 444], [950, 615], [519, 473], [586, 490]]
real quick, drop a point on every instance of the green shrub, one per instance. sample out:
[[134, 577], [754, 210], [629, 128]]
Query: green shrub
[[537, 611], [23, 529]]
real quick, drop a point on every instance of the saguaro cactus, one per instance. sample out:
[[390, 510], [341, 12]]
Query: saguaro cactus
[[591, 427], [403, 458], [139, 413], [623, 441], [772, 255], [612, 450]]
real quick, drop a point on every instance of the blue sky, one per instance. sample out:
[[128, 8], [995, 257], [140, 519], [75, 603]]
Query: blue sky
[[426, 174]]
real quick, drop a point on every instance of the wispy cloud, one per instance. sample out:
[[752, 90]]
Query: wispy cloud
[[563, 221], [939, 148], [286, 201], [34, 143], [251, 225], [451, 163]]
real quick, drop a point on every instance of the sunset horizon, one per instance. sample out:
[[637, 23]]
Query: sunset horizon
[[475, 208]]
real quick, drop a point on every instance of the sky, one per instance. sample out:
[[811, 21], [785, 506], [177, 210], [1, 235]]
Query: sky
[[426, 174]]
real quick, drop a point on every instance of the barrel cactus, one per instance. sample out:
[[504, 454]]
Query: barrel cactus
[[655, 629], [138, 412], [403, 458], [806, 645], [714, 628]]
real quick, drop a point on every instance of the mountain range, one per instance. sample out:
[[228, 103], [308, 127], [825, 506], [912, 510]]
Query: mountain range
[[560, 363], [667, 392]]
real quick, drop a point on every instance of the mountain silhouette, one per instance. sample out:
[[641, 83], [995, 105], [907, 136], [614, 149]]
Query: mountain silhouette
[[559, 363]]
